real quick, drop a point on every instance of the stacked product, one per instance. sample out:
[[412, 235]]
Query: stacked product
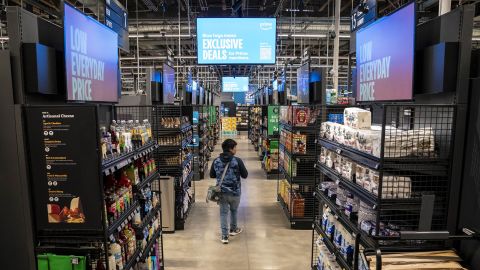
[[376, 173], [393, 186], [358, 133], [123, 137], [293, 199]]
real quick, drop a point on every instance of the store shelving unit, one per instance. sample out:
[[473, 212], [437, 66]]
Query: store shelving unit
[[399, 183], [298, 131], [242, 118], [204, 138], [88, 230], [254, 126], [172, 128]]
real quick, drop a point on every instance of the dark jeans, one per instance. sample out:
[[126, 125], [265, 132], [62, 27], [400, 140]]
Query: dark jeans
[[228, 203]]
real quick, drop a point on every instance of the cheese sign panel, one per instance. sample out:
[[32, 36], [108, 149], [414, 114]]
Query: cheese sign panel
[[64, 167]]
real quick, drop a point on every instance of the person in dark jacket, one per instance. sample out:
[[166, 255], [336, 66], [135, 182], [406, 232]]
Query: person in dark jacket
[[231, 186]]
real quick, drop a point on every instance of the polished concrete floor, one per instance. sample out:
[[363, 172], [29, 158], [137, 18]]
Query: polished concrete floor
[[266, 243]]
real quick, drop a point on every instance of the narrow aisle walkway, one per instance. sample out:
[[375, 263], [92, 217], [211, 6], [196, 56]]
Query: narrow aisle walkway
[[266, 243]]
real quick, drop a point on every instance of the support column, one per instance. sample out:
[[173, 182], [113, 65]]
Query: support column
[[444, 6], [336, 44]]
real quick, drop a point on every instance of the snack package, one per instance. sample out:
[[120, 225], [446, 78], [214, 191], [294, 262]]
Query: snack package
[[337, 163], [357, 118], [360, 172], [338, 133], [301, 116]]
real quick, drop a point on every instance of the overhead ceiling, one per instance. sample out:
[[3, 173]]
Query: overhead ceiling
[[156, 26]]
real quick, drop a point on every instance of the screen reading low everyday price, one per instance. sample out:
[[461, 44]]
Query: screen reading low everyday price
[[91, 58], [168, 84], [236, 40], [234, 84], [385, 57]]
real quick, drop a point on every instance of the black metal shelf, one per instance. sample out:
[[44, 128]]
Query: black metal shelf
[[112, 165], [295, 222], [305, 180], [307, 129], [344, 220], [148, 218], [121, 221], [182, 129], [332, 248], [147, 181], [365, 196], [296, 155], [135, 258], [151, 242], [357, 156]]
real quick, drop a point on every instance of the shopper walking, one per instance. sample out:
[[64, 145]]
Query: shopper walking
[[230, 186]]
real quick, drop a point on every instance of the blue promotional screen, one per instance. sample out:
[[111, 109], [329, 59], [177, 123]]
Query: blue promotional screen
[[168, 84], [236, 40], [385, 57], [303, 79], [91, 58], [234, 84]]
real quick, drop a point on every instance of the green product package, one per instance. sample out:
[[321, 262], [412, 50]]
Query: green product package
[[61, 262]]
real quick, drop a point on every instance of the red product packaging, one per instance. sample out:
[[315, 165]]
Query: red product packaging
[[301, 117]]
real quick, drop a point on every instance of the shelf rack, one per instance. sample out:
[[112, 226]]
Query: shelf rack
[[93, 241], [407, 188], [242, 118], [296, 182], [173, 159]]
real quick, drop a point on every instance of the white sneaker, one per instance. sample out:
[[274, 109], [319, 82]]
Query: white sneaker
[[235, 232], [224, 239]]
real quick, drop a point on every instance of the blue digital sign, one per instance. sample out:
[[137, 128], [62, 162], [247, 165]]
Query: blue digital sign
[[236, 40], [234, 84]]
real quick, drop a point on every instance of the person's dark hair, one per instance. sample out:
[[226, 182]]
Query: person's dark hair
[[228, 145]]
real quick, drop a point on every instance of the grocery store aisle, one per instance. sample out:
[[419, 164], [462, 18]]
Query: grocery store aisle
[[266, 243]]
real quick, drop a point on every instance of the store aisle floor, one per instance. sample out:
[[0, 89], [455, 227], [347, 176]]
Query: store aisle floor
[[266, 243]]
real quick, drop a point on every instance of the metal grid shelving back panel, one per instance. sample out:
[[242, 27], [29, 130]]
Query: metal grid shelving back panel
[[419, 132]]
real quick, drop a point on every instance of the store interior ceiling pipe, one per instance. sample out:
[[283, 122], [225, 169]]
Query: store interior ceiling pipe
[[195, 57], [199, 66], [187, 36], [299, 27]]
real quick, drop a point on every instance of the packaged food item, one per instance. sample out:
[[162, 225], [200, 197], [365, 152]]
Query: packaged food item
[[360, 173], [349, 136], [323, 155], [348, 168], [337, 163], [357, 118], [301, 116], [368, 140]]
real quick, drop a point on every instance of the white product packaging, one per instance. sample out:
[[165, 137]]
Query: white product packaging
[[349, 136], [348, 168], [369, 141], [357, 118]]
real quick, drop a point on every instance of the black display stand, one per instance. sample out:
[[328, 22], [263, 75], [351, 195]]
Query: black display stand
[[67, 171], [296, 164], [173, 159], [412, 180]]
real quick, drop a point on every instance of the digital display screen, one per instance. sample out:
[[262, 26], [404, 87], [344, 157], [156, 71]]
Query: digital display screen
[[234, 84], [168, 84], [194, 92], [236, 40], [303, 79], [91, 58], [385, 57]]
